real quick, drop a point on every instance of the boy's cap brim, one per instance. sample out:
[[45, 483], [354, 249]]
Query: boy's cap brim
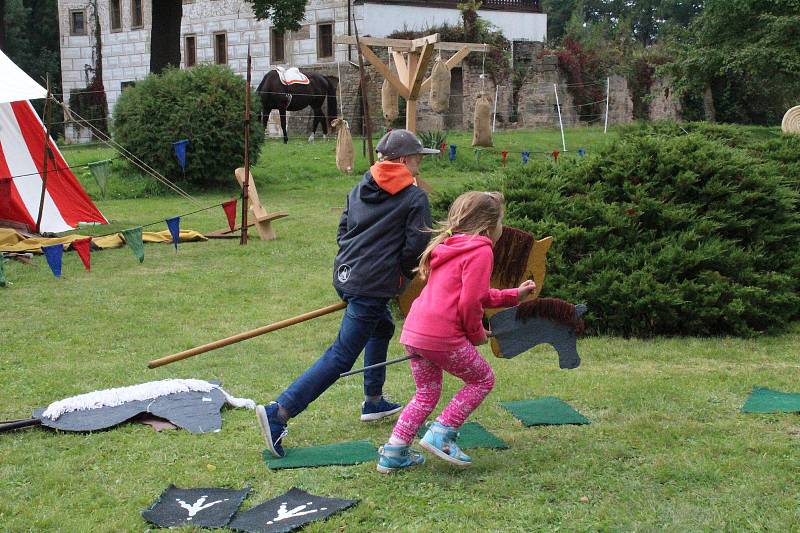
[[399, 143]]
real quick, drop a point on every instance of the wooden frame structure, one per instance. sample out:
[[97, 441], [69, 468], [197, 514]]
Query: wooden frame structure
[[411, 58]]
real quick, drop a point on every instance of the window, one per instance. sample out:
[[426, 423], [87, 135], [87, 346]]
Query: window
[[137, 19], [277, 47], [114, 15], [190, 51], [126, 85], [325, 40], [77, 22], [220, 48]]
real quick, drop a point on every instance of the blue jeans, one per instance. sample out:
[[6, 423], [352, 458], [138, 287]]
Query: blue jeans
[[367, 325]]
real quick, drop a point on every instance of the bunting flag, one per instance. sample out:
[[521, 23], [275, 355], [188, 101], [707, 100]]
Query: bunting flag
[[3, 280], [230, 211], [100, 171], [174, 225], [555, 155], [53, 254], [504, 155], [444, 148], [581, 152], [82, 247], [180, 152], [452, 152], [133, 238], [525, 156]]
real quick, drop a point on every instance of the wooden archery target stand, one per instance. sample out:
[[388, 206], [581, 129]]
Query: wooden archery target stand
[[263, 219], [411, 58]]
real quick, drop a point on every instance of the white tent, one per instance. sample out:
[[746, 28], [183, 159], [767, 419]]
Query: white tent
[[22, 163]]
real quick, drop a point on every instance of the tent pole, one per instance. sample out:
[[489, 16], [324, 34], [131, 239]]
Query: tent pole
[[47, 120], [246, 180]]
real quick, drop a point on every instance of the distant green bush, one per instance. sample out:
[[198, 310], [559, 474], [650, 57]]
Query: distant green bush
[[204, 104], [665, 234]]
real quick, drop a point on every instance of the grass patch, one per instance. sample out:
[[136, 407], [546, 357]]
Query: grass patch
[[667, 447]]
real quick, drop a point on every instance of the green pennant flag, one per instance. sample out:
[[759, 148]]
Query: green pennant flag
[[100, 171], [3, 281], [133, 237]]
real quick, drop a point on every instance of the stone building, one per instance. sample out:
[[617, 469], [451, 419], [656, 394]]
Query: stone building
[[219, 31]]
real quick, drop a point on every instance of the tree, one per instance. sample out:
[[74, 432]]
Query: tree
[[743, 52], [285, 15]]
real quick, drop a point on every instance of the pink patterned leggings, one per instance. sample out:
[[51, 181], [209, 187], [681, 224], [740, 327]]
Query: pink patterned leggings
[[465, 363]]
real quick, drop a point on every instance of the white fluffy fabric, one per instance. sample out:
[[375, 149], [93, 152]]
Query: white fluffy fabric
[[143, 391]]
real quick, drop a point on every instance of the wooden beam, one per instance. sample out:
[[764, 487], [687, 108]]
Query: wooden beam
[[419, 71], [405, 45], [398, 44], [381, 67], [454, 60], [452, 47], [416, 44], [400, 64]]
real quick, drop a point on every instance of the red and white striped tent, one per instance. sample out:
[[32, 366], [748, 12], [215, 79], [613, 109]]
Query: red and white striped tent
[[22, 152]]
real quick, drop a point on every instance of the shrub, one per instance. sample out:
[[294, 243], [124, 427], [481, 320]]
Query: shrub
[[664, 235], [204, 104]]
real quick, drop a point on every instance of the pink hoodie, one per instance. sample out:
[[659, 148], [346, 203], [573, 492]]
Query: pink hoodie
[[449, 310]]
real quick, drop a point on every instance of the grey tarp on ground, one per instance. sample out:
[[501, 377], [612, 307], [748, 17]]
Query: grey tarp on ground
[[517, 336], [194, 411]]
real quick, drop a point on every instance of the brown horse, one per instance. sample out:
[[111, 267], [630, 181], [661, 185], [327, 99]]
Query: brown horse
[[294, 97]]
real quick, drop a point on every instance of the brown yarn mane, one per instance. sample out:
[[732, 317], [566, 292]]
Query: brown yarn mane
[[553, 309], [511, 254]]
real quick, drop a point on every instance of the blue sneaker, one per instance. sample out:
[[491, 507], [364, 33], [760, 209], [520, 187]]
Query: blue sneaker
[[379, 409], [272, 429], [397, 457], [441, 441]]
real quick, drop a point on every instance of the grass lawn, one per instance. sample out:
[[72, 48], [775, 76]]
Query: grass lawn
[[667, 448]]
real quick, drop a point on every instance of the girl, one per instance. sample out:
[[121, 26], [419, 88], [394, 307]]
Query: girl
[[445, 324]]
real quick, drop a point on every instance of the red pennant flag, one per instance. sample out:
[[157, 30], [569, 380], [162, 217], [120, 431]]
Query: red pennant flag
[[504, 153], [230, 212], [82, 246], [555, 155], [444, 147]]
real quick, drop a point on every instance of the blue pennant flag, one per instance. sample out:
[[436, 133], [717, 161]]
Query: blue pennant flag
[[180, 152], [525, 156], [174, 225], [452, 152], [581, 152], [53, 255]]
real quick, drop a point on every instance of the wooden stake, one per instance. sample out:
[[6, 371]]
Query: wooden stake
[[246, 335], [48, 120], [246, 181], [364, 96]]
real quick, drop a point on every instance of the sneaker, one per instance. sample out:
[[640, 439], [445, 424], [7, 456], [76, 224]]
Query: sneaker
[[272, 429], [396, 457], [441, 441], [379, 409]]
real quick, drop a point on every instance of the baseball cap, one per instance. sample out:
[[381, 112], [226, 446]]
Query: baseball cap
[[398, 143]]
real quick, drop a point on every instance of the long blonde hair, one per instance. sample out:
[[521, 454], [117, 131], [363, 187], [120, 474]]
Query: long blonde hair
[[472, 213]]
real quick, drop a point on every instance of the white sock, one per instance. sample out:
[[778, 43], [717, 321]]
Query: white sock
[[396, 441]]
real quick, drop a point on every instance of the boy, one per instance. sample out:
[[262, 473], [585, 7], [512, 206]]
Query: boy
[[381, 235]]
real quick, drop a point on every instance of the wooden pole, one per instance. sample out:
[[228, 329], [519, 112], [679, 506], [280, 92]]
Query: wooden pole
[[364, 96], [246, 180], [48, 120], [246, 335]]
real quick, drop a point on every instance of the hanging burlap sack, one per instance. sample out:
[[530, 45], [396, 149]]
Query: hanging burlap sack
[[389, 103], [345, 157], [482, 135], [440, 87]]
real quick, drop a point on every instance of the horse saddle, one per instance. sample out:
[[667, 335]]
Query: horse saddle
[[292, 76]]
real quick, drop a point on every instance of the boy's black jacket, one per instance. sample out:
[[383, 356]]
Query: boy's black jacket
[[380, 237]]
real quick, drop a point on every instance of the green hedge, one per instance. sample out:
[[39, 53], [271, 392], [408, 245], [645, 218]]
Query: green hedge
[[665, 234], [204, 104]]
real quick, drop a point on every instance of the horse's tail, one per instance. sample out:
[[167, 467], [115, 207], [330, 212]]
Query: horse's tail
[[332, 105]]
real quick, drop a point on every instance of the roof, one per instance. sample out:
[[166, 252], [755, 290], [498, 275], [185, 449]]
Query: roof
[[16, 84]]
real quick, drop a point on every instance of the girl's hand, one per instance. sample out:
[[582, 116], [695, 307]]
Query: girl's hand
[[525, 290], [486, 336]]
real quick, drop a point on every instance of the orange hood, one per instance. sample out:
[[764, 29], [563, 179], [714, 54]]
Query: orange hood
[[391, 177]]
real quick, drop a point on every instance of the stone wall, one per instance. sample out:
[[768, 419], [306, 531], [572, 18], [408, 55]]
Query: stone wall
[[663, 104]]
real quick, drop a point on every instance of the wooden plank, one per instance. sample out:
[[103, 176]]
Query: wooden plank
[[411, 115], [453, 47], [417, 44], [400, 64], [419, 71], [454, 60], [398, 44], [381, 67]]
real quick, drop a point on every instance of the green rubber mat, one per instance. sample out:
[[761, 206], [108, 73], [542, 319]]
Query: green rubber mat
[[763, 400], [474, 435], [344, 453], [544, 412]]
